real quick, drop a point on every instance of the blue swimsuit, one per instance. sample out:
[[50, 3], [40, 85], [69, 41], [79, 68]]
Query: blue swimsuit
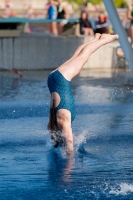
[[58, 83]]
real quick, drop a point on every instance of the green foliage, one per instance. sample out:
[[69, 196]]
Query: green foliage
[[120, 3], [95, 2], [75, 1], [81, 1]]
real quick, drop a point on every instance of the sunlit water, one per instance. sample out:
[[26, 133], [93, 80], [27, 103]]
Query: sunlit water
[[102, 165]]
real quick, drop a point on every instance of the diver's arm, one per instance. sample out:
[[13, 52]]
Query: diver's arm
[[67, 130], [64, 121]]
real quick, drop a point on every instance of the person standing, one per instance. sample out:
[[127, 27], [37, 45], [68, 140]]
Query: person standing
[[130, 17], [52, 14], [62, 13], [9, 12]]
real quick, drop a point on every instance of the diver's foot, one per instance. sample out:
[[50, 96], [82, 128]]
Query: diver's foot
[[107, 38]]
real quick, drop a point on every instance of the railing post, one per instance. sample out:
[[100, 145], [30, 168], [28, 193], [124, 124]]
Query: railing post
[[117, 25]]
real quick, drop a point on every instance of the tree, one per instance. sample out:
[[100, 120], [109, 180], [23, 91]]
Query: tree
[[95, 2], [81, 1], [120, 3]]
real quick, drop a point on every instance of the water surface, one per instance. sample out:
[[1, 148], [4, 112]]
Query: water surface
[[102, 165]]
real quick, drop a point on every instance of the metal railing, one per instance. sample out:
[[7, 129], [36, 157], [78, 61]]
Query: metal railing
[[41, 20]]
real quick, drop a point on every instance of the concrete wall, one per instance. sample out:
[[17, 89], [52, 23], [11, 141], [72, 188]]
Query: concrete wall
[[30, 52]]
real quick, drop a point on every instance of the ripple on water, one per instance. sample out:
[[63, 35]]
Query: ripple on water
[[101, 167]]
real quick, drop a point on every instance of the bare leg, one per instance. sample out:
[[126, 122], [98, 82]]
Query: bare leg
[[78, 50], [50, 27], [60, 28], [131, 33], [54, 28], [88, 31], [71, 68], [91, 32], [85, 31], [97, 36]]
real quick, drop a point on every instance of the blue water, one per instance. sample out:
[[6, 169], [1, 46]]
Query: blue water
[[102, 165]]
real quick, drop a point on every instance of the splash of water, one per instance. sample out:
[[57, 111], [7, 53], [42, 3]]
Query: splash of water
[[124, 188], [78, 139]]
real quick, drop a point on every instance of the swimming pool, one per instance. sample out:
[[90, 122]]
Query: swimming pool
[[102, 165]]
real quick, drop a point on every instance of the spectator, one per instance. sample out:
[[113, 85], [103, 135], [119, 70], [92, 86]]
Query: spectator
[[8, 4], [130, 17], [30, 12], [9, 12], [70, 10], [47, 5], [62, 13], [85, 25], [52, 14], [25, 8], [88, 6], [101, 24]]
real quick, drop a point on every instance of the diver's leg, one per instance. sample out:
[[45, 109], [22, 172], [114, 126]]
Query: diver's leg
[[96, 37], [78, 50], [71, 68]]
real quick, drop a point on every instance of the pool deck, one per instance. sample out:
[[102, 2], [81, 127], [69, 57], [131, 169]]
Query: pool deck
[[111, 77]]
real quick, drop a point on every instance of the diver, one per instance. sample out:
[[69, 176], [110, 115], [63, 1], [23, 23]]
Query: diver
[[62, 108]]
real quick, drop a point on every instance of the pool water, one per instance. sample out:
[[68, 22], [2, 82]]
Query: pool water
[[102, 165]]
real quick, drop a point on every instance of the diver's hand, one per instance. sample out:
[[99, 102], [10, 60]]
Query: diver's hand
[[70, 152]]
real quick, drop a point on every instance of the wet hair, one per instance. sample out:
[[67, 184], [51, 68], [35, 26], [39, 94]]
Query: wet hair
[[55, 131]]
